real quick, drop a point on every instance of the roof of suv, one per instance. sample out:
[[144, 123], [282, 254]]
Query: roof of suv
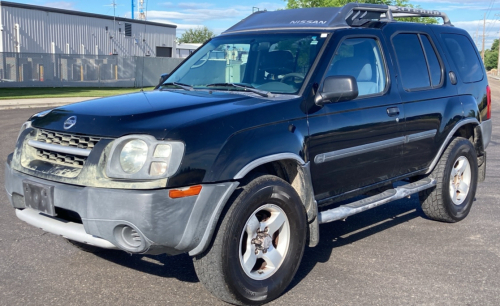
[[327, 18]]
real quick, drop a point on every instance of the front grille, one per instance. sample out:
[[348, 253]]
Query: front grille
[[61, 158], [68, 140], [58, 152]]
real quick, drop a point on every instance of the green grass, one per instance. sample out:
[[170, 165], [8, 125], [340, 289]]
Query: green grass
[[62, 92]]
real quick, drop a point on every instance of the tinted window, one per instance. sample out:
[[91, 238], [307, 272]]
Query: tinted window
[[411, 60], [362, 59], [464, 56], [434, 66]]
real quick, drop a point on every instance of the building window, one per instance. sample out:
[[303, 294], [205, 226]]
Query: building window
[[163, 52], [128, 29]]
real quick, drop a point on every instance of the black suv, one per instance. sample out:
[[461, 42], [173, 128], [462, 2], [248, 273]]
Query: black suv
[[287, 120]]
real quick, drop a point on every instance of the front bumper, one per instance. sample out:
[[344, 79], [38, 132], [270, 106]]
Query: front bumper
[[164, 225]]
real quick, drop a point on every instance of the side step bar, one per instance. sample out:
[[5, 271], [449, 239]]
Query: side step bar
[[353, 208]]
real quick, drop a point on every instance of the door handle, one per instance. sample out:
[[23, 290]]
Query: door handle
[[393, 111]]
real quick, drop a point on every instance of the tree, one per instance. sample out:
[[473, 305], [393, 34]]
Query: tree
[[491, 56], [196, 36], [292, 4]]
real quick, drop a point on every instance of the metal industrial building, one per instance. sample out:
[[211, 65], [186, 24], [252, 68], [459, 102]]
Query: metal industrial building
[[38, 29]]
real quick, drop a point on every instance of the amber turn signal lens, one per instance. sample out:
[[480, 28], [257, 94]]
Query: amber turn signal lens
[[185, 192]]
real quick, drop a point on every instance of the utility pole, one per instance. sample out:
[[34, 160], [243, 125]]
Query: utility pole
[[484, 35]]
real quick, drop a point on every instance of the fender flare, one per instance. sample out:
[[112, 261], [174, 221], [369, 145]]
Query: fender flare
[[448, 139], [307, 196]]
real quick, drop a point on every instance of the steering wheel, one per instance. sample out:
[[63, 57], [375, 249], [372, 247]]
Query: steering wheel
[[201, 61], [292, 76]]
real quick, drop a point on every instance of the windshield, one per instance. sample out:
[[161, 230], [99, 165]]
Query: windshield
[[276, 63]]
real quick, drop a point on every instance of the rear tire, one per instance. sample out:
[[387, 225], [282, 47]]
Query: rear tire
[[265, 223], [456, 175]]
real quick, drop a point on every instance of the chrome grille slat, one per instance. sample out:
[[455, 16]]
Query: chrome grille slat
[[59, 148]]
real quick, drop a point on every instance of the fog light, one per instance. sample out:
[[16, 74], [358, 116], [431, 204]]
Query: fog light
[[158, 168], [128, 237]]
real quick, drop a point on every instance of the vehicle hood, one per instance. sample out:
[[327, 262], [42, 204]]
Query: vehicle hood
[[153, 113]]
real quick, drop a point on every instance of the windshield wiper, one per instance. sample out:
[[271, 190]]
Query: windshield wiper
[[180, 85], [245, 87]]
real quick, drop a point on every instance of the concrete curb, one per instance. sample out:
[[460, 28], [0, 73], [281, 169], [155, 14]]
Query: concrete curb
[[40, 102]]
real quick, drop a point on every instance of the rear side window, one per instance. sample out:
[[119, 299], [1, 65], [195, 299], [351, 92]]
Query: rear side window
[[418, 62], [464, 56]]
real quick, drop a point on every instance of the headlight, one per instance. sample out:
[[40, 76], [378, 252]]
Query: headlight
[[133, 156], [142, 157]]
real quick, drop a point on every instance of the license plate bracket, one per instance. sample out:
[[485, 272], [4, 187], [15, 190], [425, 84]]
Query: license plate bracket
[[39, 197]]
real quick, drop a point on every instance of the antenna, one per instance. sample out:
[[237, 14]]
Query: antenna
[[143, 15], [113, 4]]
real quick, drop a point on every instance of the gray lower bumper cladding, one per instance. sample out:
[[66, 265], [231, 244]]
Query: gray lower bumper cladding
[[137, 221]]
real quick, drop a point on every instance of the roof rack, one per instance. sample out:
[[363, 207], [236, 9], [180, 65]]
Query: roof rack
[[363, 13], [327, 18]]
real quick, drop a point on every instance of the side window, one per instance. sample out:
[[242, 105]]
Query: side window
[[411, 61], [362, 59], [417, 60], [464, 56], [434, 65]]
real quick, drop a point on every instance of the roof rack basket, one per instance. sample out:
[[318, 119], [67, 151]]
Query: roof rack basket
[[356, 14]]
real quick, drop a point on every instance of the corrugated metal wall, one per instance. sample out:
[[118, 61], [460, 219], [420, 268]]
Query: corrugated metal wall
[[39, 29]]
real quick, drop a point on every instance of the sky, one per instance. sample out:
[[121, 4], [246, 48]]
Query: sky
[[219, 15]]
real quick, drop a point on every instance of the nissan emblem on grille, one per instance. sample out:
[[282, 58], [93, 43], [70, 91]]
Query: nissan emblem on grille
[[70, 122]]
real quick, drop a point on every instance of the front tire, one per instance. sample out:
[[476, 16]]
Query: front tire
[[258, 246], [457, 176]]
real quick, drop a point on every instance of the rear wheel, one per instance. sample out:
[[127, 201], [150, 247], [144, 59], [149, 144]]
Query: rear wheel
[[258, 246], [456, 175]]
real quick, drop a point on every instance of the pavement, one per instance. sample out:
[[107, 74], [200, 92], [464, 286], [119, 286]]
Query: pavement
[[390, 255], [40, 102]]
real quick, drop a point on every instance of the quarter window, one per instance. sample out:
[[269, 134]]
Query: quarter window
[[464, 56], [434, 66], [362, 59]]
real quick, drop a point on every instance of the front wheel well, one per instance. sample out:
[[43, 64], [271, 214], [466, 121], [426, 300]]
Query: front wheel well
[[287, 169]]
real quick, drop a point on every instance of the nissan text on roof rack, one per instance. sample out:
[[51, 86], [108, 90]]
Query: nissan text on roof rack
[[287, 120]]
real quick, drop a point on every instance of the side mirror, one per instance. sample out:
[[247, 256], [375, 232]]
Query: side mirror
[[337, 88], [163, 78]]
